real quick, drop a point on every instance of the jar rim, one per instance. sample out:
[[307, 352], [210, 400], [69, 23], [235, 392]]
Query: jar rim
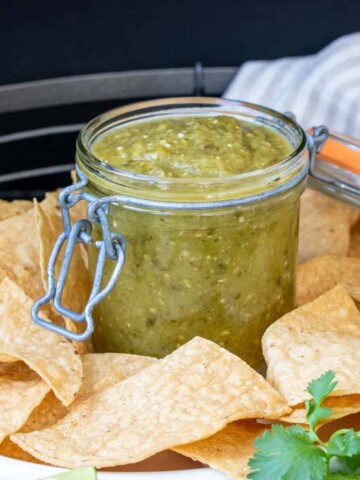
[[169, 106], [244, 187]]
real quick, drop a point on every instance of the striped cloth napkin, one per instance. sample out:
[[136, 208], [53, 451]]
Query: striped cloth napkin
[[320, 89]]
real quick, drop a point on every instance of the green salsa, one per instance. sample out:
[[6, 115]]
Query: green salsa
[[225, 275], [192, 147]]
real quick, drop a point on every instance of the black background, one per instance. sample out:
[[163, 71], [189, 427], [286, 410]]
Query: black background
[[42, 39], [45, 39]]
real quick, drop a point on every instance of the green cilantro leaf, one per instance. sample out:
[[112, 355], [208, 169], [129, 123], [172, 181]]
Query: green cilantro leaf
[[320, 388], [353, 463], [340, 476], [295, 453], [344, 465], [344, 444], [288, 454], [316, 413]]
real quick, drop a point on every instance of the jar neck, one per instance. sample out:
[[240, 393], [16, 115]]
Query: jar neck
[[108, 180]]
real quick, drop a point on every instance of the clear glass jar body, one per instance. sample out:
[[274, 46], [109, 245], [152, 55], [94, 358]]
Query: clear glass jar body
[[222, 273]]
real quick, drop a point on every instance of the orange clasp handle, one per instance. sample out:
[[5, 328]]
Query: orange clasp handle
[[342, 151]]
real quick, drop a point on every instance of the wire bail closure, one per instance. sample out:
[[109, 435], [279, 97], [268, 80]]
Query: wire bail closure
[[113, 246]]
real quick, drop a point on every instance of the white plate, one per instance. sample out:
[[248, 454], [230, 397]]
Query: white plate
[[11, 469]]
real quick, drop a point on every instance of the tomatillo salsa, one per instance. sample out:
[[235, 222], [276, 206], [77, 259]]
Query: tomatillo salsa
[[192, 147], [224, 274]]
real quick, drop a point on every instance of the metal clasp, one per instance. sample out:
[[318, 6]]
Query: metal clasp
[[316, 140], [112, 246], [334, 178]]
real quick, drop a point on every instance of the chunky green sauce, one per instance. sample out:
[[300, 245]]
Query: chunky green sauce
[[223, 275], [192, 147]]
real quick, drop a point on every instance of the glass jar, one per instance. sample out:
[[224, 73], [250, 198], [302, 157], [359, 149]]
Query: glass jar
[[223, 268]]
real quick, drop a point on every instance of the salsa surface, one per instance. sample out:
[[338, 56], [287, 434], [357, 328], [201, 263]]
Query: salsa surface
[[204, 147]]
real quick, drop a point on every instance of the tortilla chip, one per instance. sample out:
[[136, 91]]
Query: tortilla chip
[[20, 260], [185, 397], [2, 274], [354, 249], [19, 253], [100, 371], [319, 336], [7, 358], [48, 354], [10, 450], [14, 208], [229, 450], [341, 407], [21, 390], [77, 289], [325, 226], [320, 274], [104, 369]]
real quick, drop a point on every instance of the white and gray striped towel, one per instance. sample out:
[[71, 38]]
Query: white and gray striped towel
[[320, 89]]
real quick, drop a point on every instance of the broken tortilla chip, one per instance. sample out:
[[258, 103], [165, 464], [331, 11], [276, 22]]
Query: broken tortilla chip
[[325, 226], [341, 407], [13, 208], [19, 253], [229, 450], [48, 354], [319, 336], [21, 390], [320, 274], [185, 397]]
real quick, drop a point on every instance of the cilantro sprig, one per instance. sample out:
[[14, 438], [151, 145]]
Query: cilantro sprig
[[294, 453]]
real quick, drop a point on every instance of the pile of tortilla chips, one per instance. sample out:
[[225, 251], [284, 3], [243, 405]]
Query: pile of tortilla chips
[[64, 405]]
